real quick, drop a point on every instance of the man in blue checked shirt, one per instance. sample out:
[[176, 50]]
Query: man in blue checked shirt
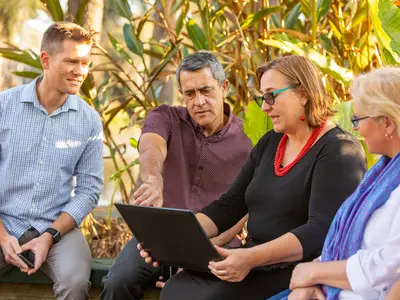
[[47, 137]]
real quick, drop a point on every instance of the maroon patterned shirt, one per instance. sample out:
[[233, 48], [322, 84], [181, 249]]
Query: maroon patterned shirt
[[198, 169]]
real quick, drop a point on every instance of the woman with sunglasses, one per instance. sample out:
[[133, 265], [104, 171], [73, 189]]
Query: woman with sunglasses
[[293, 182], [361, 255]]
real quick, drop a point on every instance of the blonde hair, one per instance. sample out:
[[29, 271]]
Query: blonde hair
[[299, 70], [378, 93], [58, 32]]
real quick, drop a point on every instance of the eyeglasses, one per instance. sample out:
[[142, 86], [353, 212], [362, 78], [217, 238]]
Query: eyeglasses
[[356, 120], [269, 98]]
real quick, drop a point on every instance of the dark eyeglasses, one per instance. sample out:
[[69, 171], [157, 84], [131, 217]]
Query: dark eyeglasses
[[356, 120], [269, 98]]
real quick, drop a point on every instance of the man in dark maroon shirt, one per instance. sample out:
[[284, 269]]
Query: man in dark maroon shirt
[[189, 156]]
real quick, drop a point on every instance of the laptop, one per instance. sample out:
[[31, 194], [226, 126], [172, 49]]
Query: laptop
[[171, 236]]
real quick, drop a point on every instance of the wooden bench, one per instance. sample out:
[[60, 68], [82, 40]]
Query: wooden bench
[[100, 268]]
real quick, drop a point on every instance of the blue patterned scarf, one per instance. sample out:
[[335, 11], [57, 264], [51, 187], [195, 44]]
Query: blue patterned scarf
[[347, 229]]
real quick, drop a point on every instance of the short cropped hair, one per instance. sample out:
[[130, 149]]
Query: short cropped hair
[[61, 31], [201, 60], [299, 70], [378, 93]]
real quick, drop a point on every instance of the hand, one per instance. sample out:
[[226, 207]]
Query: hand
[[309, 293], [11, 248], [303, 275], [40, 246], [150, 193], [160, 284], [235, 266], [147, 258]]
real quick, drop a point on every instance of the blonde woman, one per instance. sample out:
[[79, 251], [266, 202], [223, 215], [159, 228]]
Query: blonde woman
[[361, 254]]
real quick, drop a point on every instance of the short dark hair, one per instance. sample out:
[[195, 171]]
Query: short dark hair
[[61, 31], [201, 60]]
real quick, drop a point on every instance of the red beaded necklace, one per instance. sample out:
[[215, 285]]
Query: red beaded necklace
[[282, 171]]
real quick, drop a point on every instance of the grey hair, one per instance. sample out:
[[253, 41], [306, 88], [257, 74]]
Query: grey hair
[[201, 60]]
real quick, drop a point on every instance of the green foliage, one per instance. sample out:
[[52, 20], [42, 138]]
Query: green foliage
[[256, 122]]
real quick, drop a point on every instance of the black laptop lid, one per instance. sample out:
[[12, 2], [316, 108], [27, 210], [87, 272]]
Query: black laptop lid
[[171, 236]]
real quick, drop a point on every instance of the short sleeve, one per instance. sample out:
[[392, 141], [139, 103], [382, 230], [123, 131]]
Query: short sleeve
[[159, 121]]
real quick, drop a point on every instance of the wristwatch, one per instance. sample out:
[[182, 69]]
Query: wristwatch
[[55, 234]]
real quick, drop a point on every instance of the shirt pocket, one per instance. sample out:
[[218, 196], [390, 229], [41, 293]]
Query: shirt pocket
[[67, 151]]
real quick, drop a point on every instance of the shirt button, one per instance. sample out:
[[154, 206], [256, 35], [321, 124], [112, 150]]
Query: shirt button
[[41, 162], [33, 204]]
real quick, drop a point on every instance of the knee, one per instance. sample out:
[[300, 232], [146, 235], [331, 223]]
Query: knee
[[74, 287]]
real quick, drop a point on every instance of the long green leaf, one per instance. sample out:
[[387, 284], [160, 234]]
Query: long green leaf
[[123, 9], [197, 35], [256, 122], [253, 18], [325, 63], [323, 7], [54, 8], [21, 57], [118, 47], [27, 74], [166, 59], [132, 41], [293, 17], [81, 11]]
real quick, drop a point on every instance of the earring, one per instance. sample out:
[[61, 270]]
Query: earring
[[302, 118], [388, 137]]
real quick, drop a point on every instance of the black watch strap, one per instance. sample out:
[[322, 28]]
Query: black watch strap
[[55, 234]]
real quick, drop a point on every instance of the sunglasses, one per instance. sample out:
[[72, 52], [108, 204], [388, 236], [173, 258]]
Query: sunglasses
[[269, 98], [356, 120]]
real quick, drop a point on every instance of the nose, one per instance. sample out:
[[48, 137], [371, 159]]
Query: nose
[[200, 99], [265, 107]]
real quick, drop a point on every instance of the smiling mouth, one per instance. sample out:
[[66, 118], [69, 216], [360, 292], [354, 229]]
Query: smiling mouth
[[74, 81]]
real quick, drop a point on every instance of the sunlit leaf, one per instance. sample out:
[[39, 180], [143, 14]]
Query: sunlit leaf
[[118, 47], [132, 41], [81, 11], [325, 63], [21, 57], [389, 14], [378, 8], [361, 15], [256, 122], [27, 74], [323, 8], [253, 18], [133, 142], [197, 35], [123, 9], [54, 8], [293, 17]]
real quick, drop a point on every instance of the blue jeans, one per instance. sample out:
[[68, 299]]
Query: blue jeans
[[281, 296]]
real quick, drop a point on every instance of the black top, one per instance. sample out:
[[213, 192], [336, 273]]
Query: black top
[[302, 202]]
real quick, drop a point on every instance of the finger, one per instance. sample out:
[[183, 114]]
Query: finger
[[139, 246], [149, 201], [139, 191], [160, 284], [144, 254], [26, 247], [16, 247], [156, 264], [148, 260], [222, 251], [147, 196], [161, 278], [38, 263], [219, 265]]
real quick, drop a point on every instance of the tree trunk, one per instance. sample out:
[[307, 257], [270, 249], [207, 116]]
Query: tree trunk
[[93, 18]]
